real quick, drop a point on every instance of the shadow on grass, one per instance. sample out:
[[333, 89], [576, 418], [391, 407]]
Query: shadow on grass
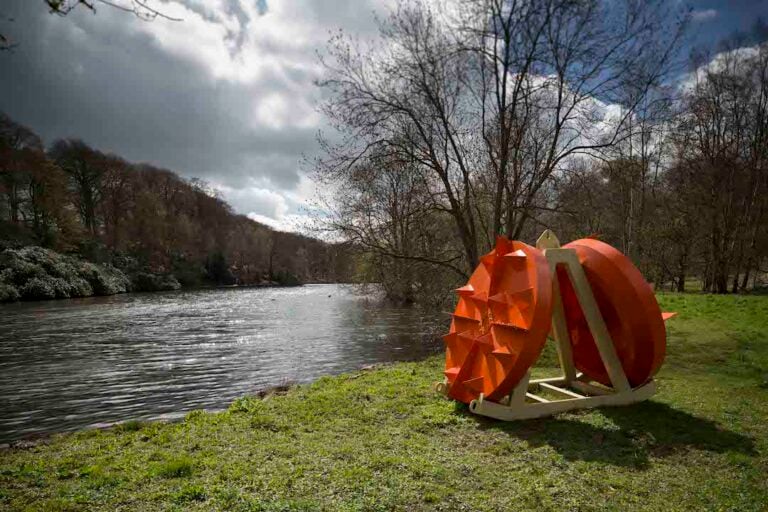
[[638, 432]]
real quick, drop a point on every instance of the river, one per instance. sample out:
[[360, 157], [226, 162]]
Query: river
[[75, 363]]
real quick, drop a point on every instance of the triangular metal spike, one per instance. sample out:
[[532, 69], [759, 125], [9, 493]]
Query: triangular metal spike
[[499, 298], [486, 340], [523, 322], [522, 299], [475, 384], [518, 307], [508, 298], [480, 297], [450, 337], [467, 337], [459, 341], [464, 317], [466, 290], [460, 324], [512, 327], [503, 354], [516, 255], [516, 258], [451, 373], [667, 315], [522, 293]]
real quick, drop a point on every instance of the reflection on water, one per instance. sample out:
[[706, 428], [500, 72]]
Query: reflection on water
[[72, 363]]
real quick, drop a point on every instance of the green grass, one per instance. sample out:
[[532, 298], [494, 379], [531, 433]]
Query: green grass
[[382, 440]]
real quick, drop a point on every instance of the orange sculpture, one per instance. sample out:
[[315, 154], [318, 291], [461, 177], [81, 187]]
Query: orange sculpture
[[604, 317], [500, 323]]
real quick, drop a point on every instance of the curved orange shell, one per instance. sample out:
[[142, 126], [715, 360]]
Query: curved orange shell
[[500, 323], [628, 306]]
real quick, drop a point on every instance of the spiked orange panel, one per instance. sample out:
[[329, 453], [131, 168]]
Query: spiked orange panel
[[628, 306], [500, 323]]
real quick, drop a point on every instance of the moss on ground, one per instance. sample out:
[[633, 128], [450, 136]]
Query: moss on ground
[[382, 440]]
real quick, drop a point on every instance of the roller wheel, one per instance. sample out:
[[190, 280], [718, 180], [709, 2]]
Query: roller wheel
[[628, 306], [500, 323]]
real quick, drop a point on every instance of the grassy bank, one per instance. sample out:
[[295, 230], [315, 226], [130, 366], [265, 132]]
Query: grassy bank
[[382, 440]]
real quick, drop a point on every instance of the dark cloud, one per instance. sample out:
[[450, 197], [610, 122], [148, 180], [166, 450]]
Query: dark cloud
[[716, 20], [226, 95]]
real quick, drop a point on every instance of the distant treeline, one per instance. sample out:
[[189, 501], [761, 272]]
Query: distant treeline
[[77, 200]]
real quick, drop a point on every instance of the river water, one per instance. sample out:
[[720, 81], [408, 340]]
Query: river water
[[70, 364]]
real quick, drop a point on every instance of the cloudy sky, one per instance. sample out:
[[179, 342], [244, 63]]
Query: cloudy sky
[[225, 95]]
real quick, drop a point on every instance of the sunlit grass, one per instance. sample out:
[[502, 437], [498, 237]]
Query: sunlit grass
[[382, 440]]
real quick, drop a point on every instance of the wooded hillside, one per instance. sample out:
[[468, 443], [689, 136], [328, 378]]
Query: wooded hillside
[[75, 199]]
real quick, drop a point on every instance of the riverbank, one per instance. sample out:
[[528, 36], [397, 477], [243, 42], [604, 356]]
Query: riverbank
[[37, 273], [382, 440], [32, 273]]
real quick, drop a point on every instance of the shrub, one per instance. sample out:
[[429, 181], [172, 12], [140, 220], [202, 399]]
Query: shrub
[[8, 293], [125, 262], [147, 282], [60, 287], [104, 279], [286, 278], [6, 275], [51, 262], [38, 288], [21, 270], [34, 273], [79, 287]]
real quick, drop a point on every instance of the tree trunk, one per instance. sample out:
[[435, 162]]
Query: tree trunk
[[681, 279], [745, 279], [13, 202]]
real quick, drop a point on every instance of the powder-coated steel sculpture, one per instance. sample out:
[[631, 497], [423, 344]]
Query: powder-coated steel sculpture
[[602, 314]]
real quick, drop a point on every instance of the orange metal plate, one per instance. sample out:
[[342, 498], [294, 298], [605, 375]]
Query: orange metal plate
[[628, 306], [500, 323]]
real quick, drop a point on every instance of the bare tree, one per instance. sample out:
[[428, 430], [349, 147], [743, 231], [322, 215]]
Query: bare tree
[[86, 168], [19, 147], [490, 99], [140, 8], [721, 142], [383, 205]]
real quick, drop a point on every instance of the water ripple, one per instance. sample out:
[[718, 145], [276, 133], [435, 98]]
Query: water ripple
[[73, 363]]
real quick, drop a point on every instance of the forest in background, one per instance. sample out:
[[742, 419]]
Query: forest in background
[[150, 223], [480, 118]]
